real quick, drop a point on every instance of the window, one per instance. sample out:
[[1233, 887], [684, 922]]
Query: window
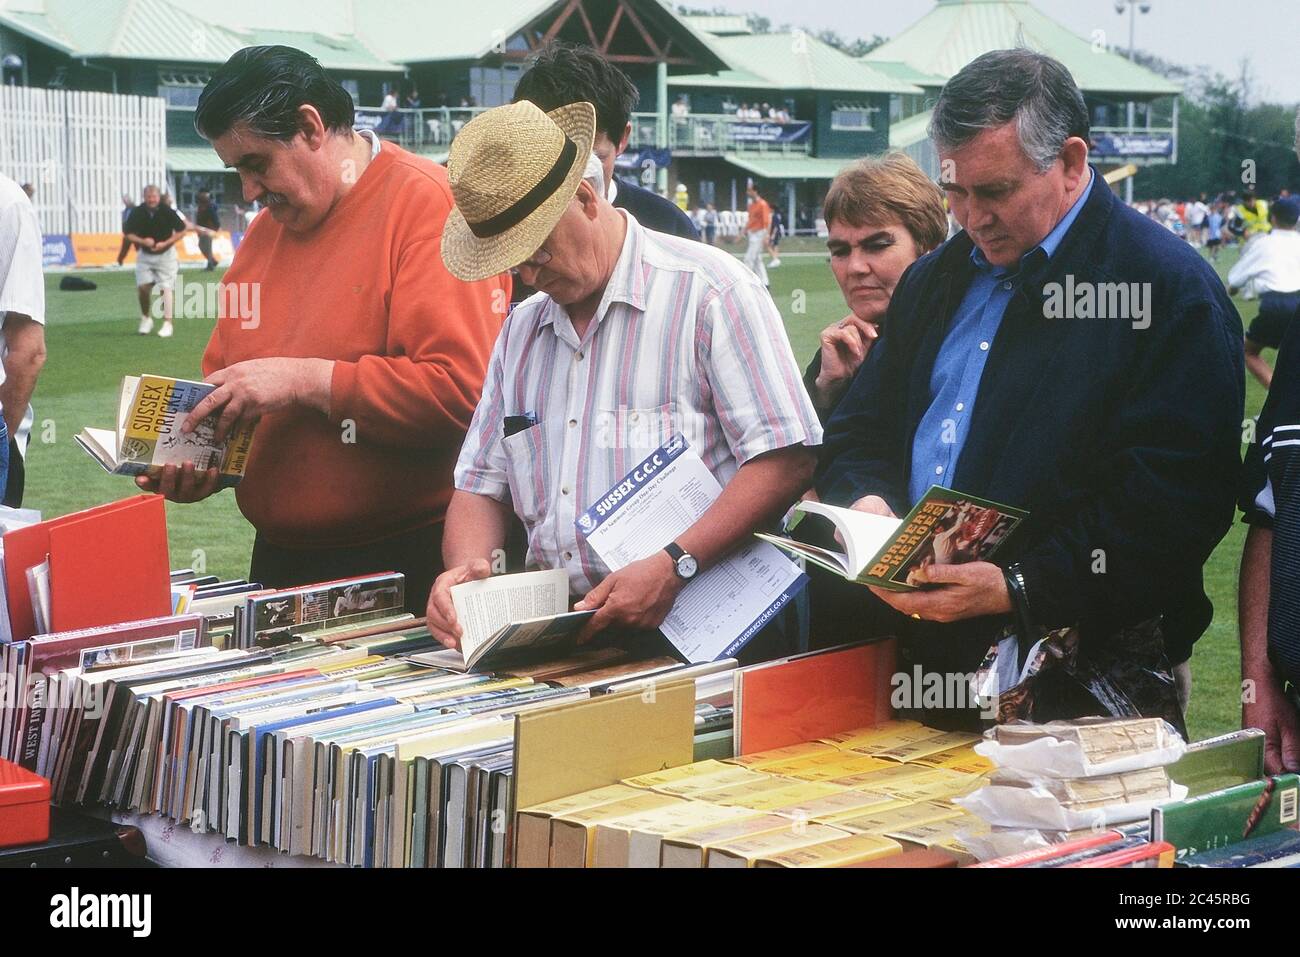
[[494, 86], [852, 116], [181, 89]]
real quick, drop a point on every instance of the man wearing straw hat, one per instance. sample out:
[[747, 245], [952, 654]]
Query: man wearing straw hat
[[633, 336]]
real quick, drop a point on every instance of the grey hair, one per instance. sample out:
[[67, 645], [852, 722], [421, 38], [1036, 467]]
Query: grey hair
[[1004, 85]]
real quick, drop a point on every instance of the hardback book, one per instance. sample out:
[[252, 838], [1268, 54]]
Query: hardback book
[[1279, 849], [150, 413], [1219, 819], [507, 619], [945, 528], [1220, 762]]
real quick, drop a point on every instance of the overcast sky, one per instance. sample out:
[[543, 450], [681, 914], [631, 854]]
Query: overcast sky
[[1215, 33]]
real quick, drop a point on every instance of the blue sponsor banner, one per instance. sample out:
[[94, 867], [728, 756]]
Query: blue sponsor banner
[[761, 132], [1133, 145], [638, 160], [56, 250]]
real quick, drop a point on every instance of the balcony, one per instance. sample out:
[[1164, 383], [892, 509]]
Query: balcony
[[715, 134], [428, 131]]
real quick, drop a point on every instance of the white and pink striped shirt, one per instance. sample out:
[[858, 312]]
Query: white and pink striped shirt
[[685, 339]]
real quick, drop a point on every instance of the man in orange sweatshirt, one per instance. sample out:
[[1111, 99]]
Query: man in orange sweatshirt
[[342, 335]]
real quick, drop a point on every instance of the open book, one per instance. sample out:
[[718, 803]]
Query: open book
[[945, 528], [150, 412], [509, 618]]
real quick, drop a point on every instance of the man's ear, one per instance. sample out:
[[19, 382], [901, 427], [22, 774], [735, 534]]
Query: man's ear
[[311, 126], [622, 143], [1074, 154], [586, 197]]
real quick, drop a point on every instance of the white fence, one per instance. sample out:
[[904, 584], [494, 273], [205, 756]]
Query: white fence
[[81, 151]]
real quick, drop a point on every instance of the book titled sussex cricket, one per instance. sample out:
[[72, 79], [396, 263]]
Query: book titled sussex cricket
[[945, 528], [151, 411]]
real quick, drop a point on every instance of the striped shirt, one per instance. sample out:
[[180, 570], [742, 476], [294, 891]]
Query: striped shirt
[[684, 339]]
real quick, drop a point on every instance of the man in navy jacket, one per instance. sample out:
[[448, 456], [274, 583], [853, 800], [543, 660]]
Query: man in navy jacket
[[1065, 355]]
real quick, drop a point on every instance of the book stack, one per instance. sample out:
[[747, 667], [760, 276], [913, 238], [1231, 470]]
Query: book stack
[[305, 721], [1065, 780], [1245, 825], [854, 796]]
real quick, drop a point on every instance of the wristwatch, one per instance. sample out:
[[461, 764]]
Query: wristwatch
[[683, 562]]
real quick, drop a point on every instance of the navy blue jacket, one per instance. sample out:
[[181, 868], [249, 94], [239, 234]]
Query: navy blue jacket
[[653, 211], [1123, 443]]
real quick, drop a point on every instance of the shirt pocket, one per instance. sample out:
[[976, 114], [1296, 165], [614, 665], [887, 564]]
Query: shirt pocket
[[632, 433], [526, 470]]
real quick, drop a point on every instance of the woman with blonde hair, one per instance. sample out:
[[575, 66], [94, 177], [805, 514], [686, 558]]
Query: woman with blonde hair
[[882, 215]]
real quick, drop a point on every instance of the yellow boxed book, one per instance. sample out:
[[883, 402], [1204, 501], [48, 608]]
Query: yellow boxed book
[[690, 848], [572, 834], [923, 747], [942, 835], [693, 779], [937, 785], [856, 737], [964, 760], [839, 852], [765, 798], [825, 767], [634, 841], [901, 776], [890, 821], [850, 803], [760, 759], [533, 825], [888, 743], [743, 852]]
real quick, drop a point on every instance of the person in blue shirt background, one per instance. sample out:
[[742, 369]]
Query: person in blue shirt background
[[1064, 355]]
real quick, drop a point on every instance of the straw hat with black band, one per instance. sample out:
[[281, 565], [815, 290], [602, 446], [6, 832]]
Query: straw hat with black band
[[513, 171]]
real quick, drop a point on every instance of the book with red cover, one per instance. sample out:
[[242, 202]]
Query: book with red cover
[[1154, 854], [107, 564], [805, 697], [1045, 854]]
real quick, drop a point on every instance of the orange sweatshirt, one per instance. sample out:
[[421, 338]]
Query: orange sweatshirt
[[760, 216], [410, 344]]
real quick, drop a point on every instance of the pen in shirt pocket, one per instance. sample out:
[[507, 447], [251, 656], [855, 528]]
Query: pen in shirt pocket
[[518, 423]]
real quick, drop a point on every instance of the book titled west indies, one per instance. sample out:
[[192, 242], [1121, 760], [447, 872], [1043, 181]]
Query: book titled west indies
[[946, 527], [151, 410]]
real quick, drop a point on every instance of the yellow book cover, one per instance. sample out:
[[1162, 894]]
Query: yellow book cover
[[846, 740], [760, 759], [744, 851], [895, 775], [827, 767], [963, 759], [793, 793], [588, 744], [887, 822], [690, 848], [888, 743], [573, 834], [634, 841], [669, 775], [694, 778], [939, 785], [826, 808], [939, 833], [149, 432], [927, 746], [533, 824], [839, 852]]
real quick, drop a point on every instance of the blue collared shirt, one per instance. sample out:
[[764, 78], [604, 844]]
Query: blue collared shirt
[[959, 366]]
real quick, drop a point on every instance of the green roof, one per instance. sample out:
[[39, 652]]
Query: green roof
[[194, 159], [957, 31], [909, 132], [180, 31], [788, 167], [792, 61], [906, 73]]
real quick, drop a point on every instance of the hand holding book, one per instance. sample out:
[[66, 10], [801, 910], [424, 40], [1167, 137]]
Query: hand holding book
[[952, 592], [182, 483]]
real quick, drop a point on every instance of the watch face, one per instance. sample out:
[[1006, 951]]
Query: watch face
[[687, 566]]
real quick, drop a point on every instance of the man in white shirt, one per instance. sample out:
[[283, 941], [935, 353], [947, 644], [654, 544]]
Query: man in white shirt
[[1270, 267], [22, 336]]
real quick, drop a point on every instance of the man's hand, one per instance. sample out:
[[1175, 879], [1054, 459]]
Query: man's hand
[[1274, 714], [965, 591], [638, 596], [148, 243], [873, 505], [248, 390], [182, 484], [440, 615], [844, 348]]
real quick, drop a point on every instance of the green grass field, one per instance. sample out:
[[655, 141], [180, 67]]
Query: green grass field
[[92, 344]]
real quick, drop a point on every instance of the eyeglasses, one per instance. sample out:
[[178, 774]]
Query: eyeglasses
[[536, 261]]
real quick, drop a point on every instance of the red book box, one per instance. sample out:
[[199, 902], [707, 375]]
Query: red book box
[[24, 806]]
